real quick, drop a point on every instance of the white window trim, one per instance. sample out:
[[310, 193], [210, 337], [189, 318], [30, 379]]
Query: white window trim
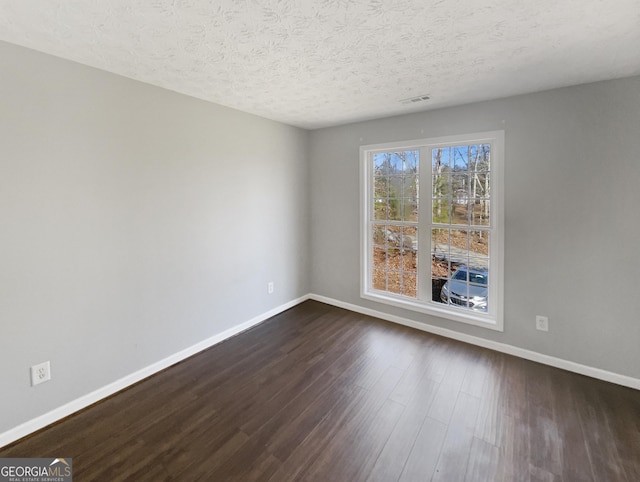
[[494, 319]]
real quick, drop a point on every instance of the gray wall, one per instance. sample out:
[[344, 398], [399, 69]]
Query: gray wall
[[572, 216], [134, 223]]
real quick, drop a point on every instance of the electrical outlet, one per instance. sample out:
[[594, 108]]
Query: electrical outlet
[[542, 323], [40, 373], [270, 287]]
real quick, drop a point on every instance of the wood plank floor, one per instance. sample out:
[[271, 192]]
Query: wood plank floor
[[319, 393]]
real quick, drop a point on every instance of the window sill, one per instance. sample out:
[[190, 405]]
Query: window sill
[[431, 308]]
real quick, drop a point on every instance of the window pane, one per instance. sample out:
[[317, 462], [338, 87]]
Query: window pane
[[396, 163], [410, 210], [480, 159], [380, 209], [479, 244], [480, 184], [459, 243], [379, 234], [410, 238], [379, 258], [440, 265], [441, 268], [394, 259], [393, 282], [392, 236], [381, 187], [441, 185], [441, 211], [460, 185], [409, 285], [478, 263], [446, 154], [480, 213], [409, 262], [396, 185], [380, 164], [440, 243], [410, 162], [460, 211], [460, 158], [379, 279], [410, 187], [439, 161], [394, 209]]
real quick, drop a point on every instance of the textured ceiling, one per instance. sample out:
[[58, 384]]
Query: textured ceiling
[[315, 63]]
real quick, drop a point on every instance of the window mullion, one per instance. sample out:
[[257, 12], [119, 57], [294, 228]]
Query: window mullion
[[424, 225]]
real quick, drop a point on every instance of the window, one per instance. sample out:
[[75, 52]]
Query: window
[[432, 235]]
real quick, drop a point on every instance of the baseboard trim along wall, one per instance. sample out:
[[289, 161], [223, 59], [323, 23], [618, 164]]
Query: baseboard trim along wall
[[570, 366], [78, 404]]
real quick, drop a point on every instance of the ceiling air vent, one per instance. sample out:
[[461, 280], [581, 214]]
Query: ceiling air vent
[[413, 100]]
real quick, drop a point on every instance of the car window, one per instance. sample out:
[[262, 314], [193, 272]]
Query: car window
[[478, 278], [461, 274], [474, 277]]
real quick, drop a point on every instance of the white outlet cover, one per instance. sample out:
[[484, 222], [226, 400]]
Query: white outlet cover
[[542, 323], [40, 373]]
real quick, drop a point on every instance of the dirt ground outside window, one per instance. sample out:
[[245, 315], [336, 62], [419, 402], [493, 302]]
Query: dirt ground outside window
[[400, 265]]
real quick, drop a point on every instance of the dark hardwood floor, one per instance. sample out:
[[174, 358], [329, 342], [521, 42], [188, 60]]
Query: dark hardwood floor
[[319, 393]]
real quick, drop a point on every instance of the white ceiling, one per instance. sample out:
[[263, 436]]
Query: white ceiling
[[315, 63]]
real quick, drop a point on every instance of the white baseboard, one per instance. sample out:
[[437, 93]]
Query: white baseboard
[[78, 404], [493, 345]]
